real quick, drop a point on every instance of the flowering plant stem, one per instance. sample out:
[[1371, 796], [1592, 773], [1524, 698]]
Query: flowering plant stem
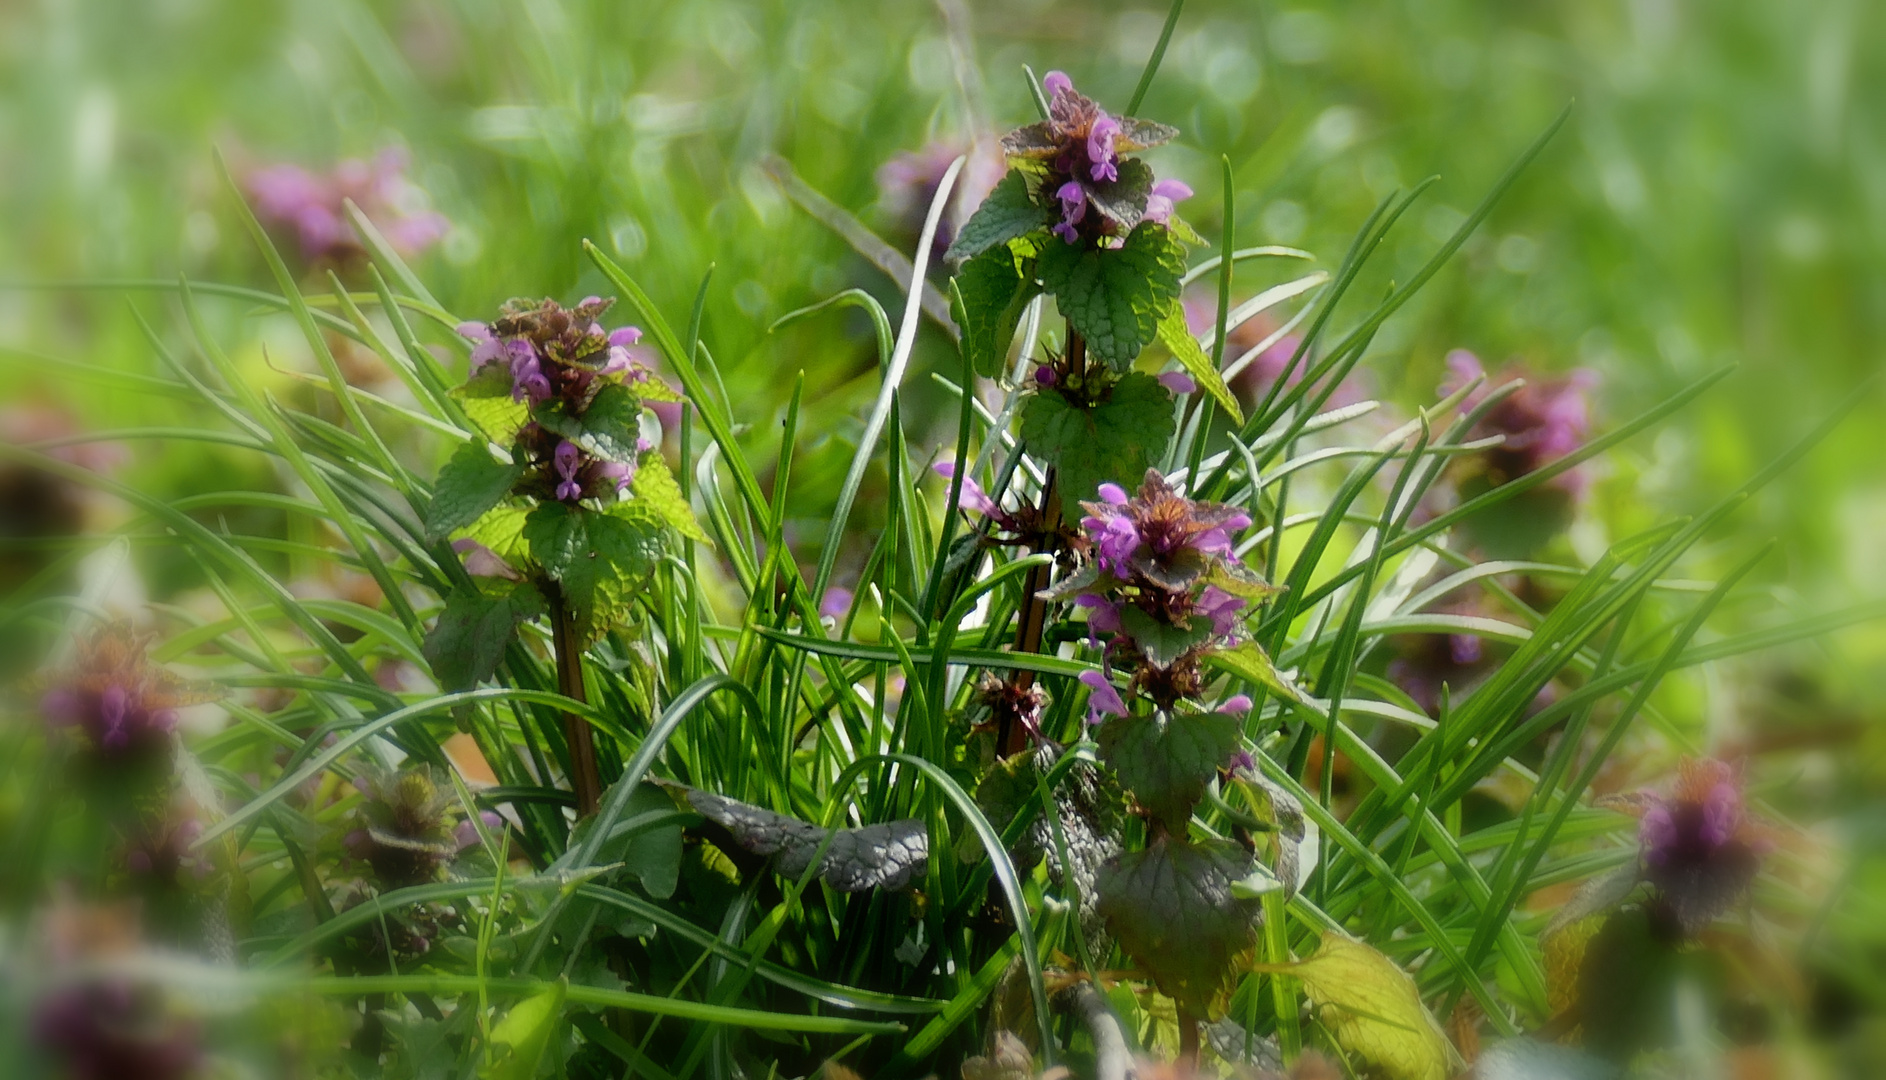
[[585, 779]]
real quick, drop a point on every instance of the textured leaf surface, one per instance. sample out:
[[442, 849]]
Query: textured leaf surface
[[1007, 213], [597, 558], [1249, 662], [658, 495], [1373, 1009], [1115, 297], [1137, 134], [1176, 337], [486, 399], [1172, 909], [1240, 580], [1294, 837], [992, 291], [1123, 201], [467, 643], [1161, 642], [501, 529], [1114, 441], [1166, 761], [891, 855], [607, 429], [471, 483]]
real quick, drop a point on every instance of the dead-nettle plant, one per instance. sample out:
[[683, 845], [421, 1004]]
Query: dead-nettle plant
[[1069, 748]]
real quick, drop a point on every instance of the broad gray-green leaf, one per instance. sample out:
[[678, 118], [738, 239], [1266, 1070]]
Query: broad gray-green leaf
[[487, 401], [1172, 909], [467, 643], [607, 429], [1115, 297], [597, 558], [1165, 761], [658, 498], [891, 855], [991, 292], [1240, 580], [1294, 836], [1114, 441], [1178, 337], [1249, 662], [1123, 201], [1160, 642], [1007, 213], [1137, 134], [469, 484]]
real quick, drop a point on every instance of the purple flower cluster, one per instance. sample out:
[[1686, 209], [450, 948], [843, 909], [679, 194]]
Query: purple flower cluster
[[1542, 421], [1162, 581], [313, 206], [1699, 847], [560, 359], [1079, 149], [122, 705], [110, 1030]]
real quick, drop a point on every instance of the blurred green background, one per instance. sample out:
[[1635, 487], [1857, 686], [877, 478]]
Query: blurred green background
[[1718, 197]]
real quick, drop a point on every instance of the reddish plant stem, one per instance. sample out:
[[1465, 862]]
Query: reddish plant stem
[[585, 776], [1188, 1043]]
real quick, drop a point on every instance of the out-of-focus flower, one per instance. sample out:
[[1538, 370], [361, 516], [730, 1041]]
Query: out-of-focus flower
[[466, 835], [121, 704], [111, 1030], [313, 206], [907, 184], [1077, 151], [1178, 382], [1543, 421], [404, 831], [835, 603], [1700, 848]]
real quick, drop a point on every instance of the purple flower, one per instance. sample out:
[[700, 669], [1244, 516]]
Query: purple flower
[[124, 706], [1073, 210], [1104, 700], [972, 497], [1056, 83], [1165, 193], [1237, 706], [1103, 616], [1699, 848], [1045, 376], [1113, 493], [568, 460], [466, 834], [107, 1030], [836, 603], [1100, 139], [1221, 608], [1178, 382], [312, 206]]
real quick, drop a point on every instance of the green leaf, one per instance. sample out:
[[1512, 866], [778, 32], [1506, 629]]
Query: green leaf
[[1173, 332], [471, 483], [991, 293], [1115, 297], [1163, 643], [486, 399], [1166, 760], [607, 429], [1124, 200], [1373, 1009], [501, 529], [597, 558], [524, 1034], [1248, 662], [659, 498], [1172, 908], [645, 842], [467, 643], [1240, 580], [1007, 213], [1116, 440]]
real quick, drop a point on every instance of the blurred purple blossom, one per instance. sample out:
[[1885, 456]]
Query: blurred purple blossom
[[312, 206], [1543, 421]]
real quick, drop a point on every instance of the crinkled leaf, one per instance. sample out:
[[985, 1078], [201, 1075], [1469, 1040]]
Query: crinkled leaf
[[471, 483], [501, 529], [1250, 663], [1183, 229], [1115, 441], [486, 399], [1007, 213], [991, 293], [1137, 134], [1178, 338], [467, 643], [1165, 761], [1373, 1009], [521, 1038], [1162, 643], [1115, 297], [1086, 577], [659, 498], [645, 842], [607, 429], [1034, 141], [1240, 580], [1172, 909], [1122, 201], [649, 388], [597, 558], [891, 855], [1294, 837], [1175, 570]]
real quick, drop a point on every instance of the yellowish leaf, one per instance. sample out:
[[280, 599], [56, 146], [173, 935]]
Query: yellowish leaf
[[1373, 1009]]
